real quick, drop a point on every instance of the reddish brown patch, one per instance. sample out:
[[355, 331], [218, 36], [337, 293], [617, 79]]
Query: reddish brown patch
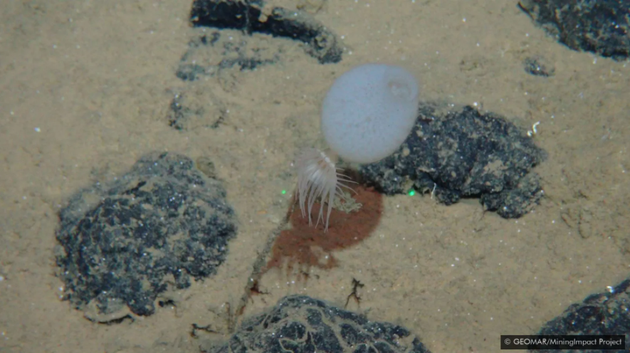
[[304, 246]]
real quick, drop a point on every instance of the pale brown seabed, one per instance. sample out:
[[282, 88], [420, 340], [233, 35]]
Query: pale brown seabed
[[84, 90]]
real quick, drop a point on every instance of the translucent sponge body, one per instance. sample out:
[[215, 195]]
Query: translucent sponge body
[[369, 111]]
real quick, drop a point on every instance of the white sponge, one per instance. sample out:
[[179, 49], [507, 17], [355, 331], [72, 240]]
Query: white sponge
[[369, 111]]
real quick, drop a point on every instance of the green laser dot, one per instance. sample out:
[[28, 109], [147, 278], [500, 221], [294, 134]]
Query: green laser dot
[[284, 192], [411, 192]]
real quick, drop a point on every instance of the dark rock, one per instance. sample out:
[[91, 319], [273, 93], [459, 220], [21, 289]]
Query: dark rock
[[303, 324], [536, 66], [207, 55], [196, 109], [606, 313], [153, 228], [601, 27], [455, 154], [247, 16]]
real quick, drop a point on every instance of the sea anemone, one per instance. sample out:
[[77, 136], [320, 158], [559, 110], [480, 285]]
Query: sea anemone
[[318, 178]]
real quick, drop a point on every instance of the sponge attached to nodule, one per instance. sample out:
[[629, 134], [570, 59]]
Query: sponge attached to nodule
[[369, 111]]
